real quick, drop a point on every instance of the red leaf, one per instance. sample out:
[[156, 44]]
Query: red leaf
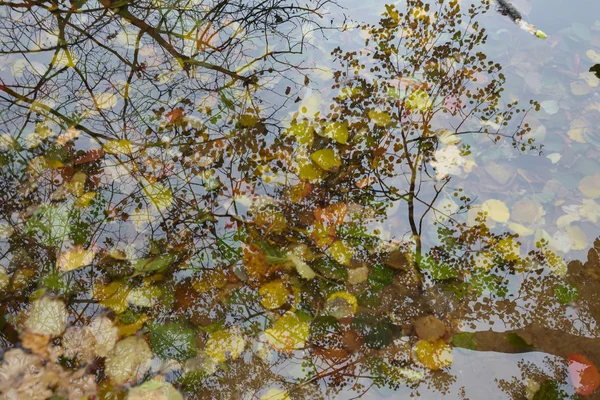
[[584, 374], [174, 115]]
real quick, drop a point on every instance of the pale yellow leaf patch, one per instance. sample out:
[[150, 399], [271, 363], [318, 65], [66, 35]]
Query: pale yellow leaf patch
[[75, 258], [225, 344], [288, 333], [496, 210]]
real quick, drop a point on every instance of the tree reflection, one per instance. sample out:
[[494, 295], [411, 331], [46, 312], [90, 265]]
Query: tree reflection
[[165, 207]]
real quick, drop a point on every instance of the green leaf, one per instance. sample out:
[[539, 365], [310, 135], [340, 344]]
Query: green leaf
[[380, 336], [566, 294], [465, 340], [439, 272], [380, 276], [157, 263], [173, 341], [518, 342], [369, 298], [330, 269], [320, 326], [550, 390]]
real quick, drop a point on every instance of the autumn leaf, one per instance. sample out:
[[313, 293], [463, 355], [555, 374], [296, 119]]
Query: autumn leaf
[[584, 374], [75, 258], [327, 159], [225, 344], [274, 294], [433, 355], [288, 333]]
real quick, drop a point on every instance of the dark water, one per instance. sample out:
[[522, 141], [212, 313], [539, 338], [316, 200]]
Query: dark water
[[279, 200]]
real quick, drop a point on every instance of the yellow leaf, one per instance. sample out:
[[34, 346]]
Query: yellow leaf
[[225, 344], [419, 100], [341, 252], [209, 280], [134, 327], [520, 229], [113, 296], [341, 305], [323, 234], [159, 195], [309, 172], [288, 333], [304, 270], [75, 258], [85, 199], [580, 88], [509, 248], [275, 394], [303, 132], [337, 131], [590, 186], [578, 129], [77, 183], [496, 210], [593, 55], [577, 237], [106, 100], [326, 159], [433, 355], [380, 118], [248, 120], [118, 146], [274, 294]]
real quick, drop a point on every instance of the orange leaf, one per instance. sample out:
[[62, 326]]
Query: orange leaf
[[333, 214], [174, 115], [584, 374]]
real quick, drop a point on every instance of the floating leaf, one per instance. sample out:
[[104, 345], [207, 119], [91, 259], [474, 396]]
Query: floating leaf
[[225, 344], [275, 394], [106, 100], [106, 334], [274, 294], [309, 172], [550, 390], [380, 276], [419, 100], [129, 360], [336, 131], [85, 199], [159, 195], [341, 305], [303, 132], [380, 118], [47, 316], [155, 388], [590, 186], [119, 146], [75, 258], [330, 269], [584, 374], [113, 295], [496, 210], [327, 159], [151, 264], [173, 341], [566, 294], [465, 340], [341, 252], [304, 270], [518, 342], [357, 275], [288, 333], [433, 355]]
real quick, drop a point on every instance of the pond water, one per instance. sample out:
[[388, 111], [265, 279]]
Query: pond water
[[277, 199]]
